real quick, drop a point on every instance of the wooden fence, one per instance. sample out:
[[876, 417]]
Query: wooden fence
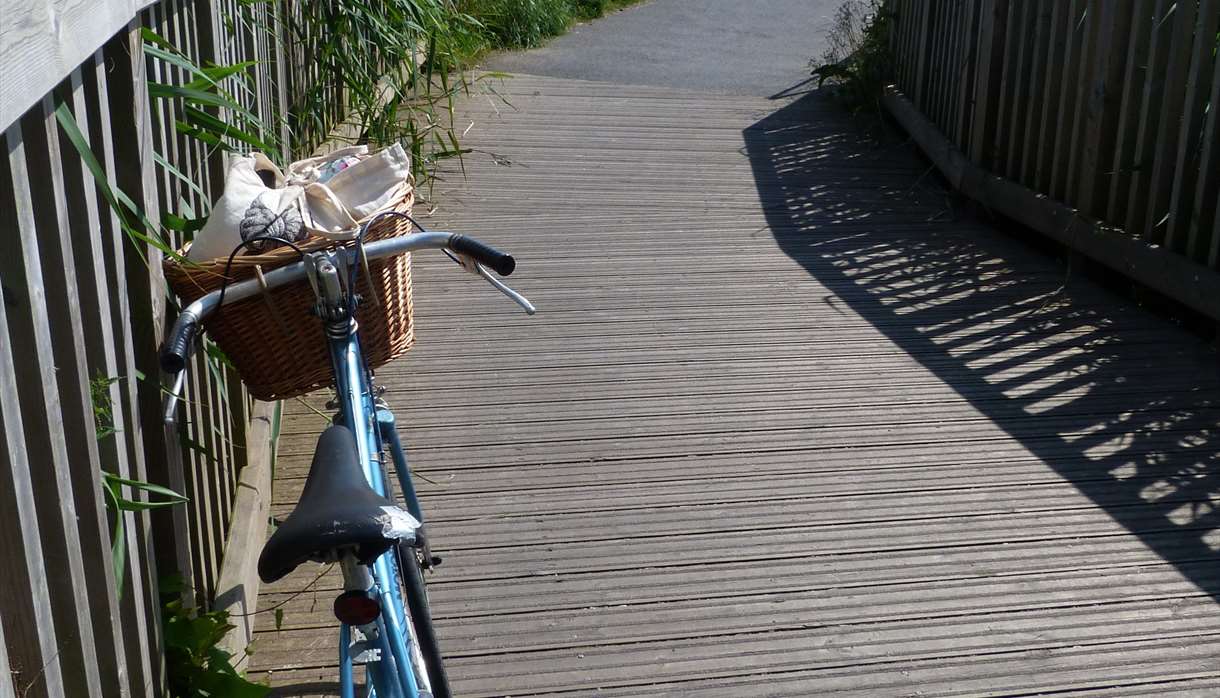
[[1094, 114], [83, 308]]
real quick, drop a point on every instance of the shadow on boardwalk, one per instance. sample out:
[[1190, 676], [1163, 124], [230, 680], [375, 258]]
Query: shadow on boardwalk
[[1119, 403]]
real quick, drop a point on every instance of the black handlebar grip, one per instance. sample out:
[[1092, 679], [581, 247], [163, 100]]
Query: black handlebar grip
[[178, 347], [502, 263]]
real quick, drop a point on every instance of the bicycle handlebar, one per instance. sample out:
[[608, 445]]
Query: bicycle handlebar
[[177, 348], [502, 263]]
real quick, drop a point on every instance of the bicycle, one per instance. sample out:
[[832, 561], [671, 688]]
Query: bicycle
[[346, 512]]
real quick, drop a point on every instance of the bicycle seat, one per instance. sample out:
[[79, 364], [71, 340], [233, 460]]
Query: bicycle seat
[[337, 510]]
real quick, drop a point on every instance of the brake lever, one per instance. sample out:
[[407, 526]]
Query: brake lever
[[171, 400], [476, 268]]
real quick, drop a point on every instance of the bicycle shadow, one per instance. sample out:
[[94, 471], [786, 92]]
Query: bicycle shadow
[[1123, 405]]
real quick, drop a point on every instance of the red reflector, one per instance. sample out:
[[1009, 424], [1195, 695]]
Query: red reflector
[[356, 608]]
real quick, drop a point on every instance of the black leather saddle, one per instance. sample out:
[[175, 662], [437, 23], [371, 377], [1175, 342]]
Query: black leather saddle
[[337, 510]]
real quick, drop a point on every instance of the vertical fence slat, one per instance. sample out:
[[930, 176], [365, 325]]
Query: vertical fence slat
[[1050, 94], [1060, 183], [1134, 81], [1195, 105], [993, 19], [1102, 104], [23, 580], [919, 93], [73, 295], [1089, 36], [1207, 197], [99, 343], [140, 677], [1035, 93], [1019, 85], [1160, 45], [134, 173], [36, 339], [1171, 104], [966, 80]]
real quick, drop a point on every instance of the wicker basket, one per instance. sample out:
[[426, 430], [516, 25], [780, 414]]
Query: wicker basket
[[274, 339]]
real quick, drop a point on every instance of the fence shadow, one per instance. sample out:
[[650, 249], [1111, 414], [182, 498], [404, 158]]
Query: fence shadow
[[1120, 403]]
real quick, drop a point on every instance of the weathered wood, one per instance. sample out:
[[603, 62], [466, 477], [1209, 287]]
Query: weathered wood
[[31, 337], [903, 422], [99, 342], [993, 23], [42, 42], [125, 410], [1187, 175], [1044, 174], [68, 273], [1152, 265], [238, 582], [1205, 220], [1124, 162], [1102, 103], [1060, 184], [1180, 23], [24, 588], [134, 173]]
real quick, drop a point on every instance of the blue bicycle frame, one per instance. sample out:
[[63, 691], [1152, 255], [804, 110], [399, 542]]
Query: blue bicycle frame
[[389, 646], [393, 675]]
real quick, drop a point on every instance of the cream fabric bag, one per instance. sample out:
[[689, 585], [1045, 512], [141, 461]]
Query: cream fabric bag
[[259, 199], [336, 207]]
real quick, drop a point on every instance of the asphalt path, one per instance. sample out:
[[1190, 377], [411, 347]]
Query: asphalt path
[[745, 47]]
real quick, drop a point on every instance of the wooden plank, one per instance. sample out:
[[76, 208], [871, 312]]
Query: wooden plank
[[24, 589], [992, 33], [1187, 175], [1033, 140], [99, 342], [1180, 25], [1209, 187], [41, 43], [1152, 265], [907, 418], [923, 67], [238, 583], [1135, 79], [1102, 106], [140, 681], [1066, 105], [85, 353], [1018, 86], [1089, 35], [31, 337], [134, 173]]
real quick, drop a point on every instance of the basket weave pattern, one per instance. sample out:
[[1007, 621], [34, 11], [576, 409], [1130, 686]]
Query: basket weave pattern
[[274, 338]]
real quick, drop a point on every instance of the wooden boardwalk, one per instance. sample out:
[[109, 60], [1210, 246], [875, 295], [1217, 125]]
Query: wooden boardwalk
[[785, 424]]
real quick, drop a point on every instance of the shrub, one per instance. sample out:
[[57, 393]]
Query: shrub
[[859, 61], [520, 23]]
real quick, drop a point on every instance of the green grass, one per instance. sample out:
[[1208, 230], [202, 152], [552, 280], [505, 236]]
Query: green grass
[[529, 23]]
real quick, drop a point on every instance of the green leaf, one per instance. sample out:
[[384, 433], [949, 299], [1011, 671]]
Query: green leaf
[[188, 181], [116, 199], [118, 542], [192, 445], [183, 225], [203, 121], [279, 618], [114, 485]]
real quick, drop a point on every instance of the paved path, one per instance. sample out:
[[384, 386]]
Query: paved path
[[784, 425], [749, 48]]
